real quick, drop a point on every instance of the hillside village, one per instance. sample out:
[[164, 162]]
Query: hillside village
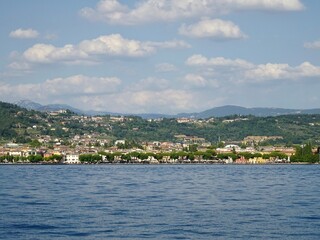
[[64, 137]]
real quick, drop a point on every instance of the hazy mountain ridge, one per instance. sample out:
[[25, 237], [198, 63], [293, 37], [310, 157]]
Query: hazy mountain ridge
[[213, 112], [30, 105]]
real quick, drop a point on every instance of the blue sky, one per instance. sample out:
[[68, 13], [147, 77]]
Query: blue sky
[[161, 56]]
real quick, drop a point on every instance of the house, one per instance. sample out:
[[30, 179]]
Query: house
[[72, 159]]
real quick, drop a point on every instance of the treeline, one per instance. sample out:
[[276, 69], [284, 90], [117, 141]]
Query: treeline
[[37, 158], [205, 155], [303, 154]]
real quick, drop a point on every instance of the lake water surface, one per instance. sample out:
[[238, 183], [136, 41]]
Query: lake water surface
[[159, 202]]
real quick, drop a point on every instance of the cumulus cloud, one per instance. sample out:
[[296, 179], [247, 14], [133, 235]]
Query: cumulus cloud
[[52, 89], [167, 101], [268, 71], [116, 45], [216, 29], [240, 70], [163, 101], [92, 93], [46, 53], [88, 51], [112, 11], [24, 33], [199, 60], [80, 84], [313, 45], [196, 80], [272, 71]]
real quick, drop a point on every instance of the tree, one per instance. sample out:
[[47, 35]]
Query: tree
[[35, 158], [304, 154], [193, 147], [35, 143], [90, 158]]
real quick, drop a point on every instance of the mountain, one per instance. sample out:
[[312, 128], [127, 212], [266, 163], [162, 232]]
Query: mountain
[[30, 105], [213, 112], [57, 107], [260, 112]]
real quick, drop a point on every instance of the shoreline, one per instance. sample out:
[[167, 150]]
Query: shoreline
[[151, 164]]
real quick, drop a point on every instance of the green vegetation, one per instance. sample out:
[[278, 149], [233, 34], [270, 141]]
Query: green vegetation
[[90, 158], [304, 154], [22, 126]]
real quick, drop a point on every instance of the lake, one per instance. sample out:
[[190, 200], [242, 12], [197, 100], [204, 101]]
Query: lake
[[159, 201]]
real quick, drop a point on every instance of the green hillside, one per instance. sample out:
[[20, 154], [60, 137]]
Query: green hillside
[[14, 119], [21, 125]]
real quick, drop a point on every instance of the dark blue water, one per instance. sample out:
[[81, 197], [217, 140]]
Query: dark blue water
[[160, 202]]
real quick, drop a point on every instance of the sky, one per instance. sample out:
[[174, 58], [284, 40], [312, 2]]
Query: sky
[[161, 56]]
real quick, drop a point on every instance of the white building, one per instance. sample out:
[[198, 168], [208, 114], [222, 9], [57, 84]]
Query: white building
[[120, 142], [72, 159]]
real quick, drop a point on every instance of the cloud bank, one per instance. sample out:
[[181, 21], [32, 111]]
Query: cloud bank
[[114, 12], [89, 51], [239, 70]]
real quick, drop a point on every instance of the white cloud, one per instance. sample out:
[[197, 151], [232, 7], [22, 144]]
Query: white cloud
[[195, 80], [199, 60], [24, 33], [272, 71], [89, 51], [240, 70], [163, 101], [90, 93], [212, 28], [112, 11], [62, 88], [306, 69], [165, 67], [167, 101], [268, 5], [268, 71], [80, 84], [116, 45], [313, 45], [46, 53]]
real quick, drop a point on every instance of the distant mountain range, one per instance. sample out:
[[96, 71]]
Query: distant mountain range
[[213, 112], [30, 105]]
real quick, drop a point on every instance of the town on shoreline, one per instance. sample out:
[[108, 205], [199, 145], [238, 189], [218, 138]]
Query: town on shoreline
[[155, 153], [63, 137]]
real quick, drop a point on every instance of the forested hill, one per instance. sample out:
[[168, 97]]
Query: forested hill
[[7, 119], [14, 118], [21, 125]]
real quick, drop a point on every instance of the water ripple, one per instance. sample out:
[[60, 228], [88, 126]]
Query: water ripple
[[160, 202]]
